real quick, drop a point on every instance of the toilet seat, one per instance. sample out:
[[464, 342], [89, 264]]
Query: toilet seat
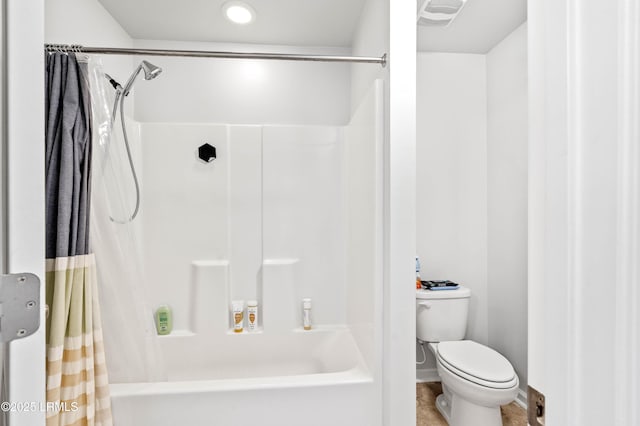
[[477, 363]]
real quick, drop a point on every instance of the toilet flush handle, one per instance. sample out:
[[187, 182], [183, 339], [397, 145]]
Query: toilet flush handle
[[426, 305]]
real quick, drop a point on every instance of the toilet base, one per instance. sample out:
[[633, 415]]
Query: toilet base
[[443, 407], [460, 412]]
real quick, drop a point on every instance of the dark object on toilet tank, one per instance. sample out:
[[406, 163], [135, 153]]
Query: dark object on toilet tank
[[438, 284], [207, 153]]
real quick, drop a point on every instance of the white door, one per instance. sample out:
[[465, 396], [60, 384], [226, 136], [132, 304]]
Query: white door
[[584, 210], [23, 195]]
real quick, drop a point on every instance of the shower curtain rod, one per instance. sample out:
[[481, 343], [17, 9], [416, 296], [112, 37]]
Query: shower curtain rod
[[214, 54]]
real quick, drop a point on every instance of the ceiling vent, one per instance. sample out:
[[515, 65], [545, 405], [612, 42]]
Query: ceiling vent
[[438, 13]]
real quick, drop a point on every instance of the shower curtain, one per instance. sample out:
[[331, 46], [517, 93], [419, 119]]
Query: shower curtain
[[130, 340], [77, 377]]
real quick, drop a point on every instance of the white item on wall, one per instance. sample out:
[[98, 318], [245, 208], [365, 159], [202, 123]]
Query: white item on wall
[[252, 315], [237, 310], [306, 313]]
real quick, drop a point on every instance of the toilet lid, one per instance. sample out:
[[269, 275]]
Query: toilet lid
[[477, 363]]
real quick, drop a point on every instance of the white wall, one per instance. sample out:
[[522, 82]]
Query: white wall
[[238, 91], [451, 191], [371, 38], [507, 198], [88, 23]]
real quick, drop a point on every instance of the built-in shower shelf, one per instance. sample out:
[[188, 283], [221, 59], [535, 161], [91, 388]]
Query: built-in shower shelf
[[245, 332], [280, 261], [178, 333], [320, 328]]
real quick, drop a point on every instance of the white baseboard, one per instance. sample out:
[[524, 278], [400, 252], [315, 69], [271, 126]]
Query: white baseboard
[[521, 399], [427, 375]]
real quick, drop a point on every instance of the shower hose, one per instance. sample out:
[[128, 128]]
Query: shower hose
[[119, 101]]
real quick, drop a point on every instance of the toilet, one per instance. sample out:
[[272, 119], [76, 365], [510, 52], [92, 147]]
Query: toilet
[[476, 380]]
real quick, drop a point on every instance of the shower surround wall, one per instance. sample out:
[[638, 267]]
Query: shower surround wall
[[291, 208], [284, 212], [273, 201], [270, 206]]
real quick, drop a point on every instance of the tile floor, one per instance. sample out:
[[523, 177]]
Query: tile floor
[[428, 415]]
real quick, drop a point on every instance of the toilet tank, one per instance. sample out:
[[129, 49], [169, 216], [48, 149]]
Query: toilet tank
[[441, 315]]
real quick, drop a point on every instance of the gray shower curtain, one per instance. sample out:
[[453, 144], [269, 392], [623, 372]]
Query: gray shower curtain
[[77, 377]]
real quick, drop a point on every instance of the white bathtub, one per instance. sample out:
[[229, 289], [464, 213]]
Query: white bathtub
[[298, 378]]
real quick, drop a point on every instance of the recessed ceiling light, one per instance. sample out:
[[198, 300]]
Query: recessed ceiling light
[[238, 12]]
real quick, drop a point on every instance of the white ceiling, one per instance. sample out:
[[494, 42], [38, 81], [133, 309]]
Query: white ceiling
[[478, 27], [288, 22]]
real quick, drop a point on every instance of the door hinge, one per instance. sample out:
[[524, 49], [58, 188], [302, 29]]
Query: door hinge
[[19, 306], [535, 407]]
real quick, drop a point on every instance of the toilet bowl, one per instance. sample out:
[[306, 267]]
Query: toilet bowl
[[476, 380]]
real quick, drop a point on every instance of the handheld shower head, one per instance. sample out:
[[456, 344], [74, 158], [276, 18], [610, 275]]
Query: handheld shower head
[[150, 72]]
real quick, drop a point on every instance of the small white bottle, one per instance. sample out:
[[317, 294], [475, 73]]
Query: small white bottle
[[306, 313], [237, 307], [252, 315]]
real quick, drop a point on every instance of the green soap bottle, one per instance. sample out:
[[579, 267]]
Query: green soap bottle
[[164, 320]]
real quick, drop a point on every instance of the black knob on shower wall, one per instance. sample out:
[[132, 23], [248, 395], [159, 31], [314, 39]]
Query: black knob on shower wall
[[207, 153]]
